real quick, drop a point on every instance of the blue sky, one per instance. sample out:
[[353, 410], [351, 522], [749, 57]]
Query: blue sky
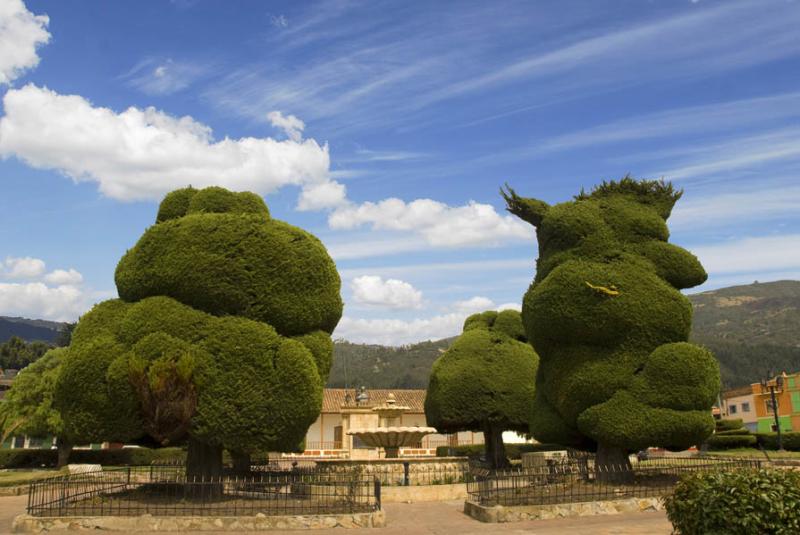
[[387, 128]]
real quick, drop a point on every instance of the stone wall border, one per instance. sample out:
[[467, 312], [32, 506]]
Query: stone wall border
[[517, 513], [182, 524]]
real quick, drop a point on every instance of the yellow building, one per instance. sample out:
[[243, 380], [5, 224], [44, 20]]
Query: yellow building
[[753, 404]]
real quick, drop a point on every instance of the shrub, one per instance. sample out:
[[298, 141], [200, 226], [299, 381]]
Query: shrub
[[769, 441], [736, 503], [725, 442], [728, 425], [514, 451], [730, 432], [37, 458]]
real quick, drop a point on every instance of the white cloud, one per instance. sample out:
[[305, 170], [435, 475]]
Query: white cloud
[[396, 332], [440, 224], [320, 196], [475, 304], [23, 268], [37, 300], [64, 277], [59, 296], [391, 293], [399, 332], [752, 254], [291, 125], [21, 33], [144, 153]]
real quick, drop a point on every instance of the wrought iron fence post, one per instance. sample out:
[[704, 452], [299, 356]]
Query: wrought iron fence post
[[405, 474], [377, 487]]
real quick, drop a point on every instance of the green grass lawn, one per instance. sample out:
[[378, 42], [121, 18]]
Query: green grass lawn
[[12, 478], [754, 453]]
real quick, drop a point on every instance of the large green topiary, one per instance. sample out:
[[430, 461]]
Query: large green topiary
[[607, 318], [485, 381], [222, 334]]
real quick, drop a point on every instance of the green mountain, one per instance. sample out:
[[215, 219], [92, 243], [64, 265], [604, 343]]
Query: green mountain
[[30, 330], [751, 329], [376, 366]]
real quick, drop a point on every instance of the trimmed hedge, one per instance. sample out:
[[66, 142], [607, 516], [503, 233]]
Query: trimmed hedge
[[513, 451], [732, 432], [736, 503], [728, 425], [725, 442], [769, 441], [37, 458]]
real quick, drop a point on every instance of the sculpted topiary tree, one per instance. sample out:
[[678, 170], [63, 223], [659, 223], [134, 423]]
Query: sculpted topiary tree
[[484, 382], [221, 334], [606, 316]]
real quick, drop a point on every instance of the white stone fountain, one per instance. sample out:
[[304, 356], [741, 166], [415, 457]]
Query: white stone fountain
[[387, 435]]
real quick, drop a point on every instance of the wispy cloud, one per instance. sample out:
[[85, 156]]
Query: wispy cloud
[[397, 61], [164, 76]]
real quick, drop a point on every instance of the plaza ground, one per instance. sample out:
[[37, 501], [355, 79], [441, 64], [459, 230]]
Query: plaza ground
[[446, 518]]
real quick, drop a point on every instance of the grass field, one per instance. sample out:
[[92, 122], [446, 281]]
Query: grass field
[[755, 454], [11, 478]]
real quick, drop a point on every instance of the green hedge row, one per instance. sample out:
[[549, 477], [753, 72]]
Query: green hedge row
[[725, 442], [37, 458], [729, 432], [728, 425], [736, 503], [513, 451], [769, 441]]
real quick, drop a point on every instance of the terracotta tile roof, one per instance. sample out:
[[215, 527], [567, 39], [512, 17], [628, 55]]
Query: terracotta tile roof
[[333, 398], [734, 392]]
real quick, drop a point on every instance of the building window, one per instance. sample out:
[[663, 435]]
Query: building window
[[770, 408], [745, 407], [732, 409]]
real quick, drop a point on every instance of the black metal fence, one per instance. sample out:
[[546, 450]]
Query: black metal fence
[[130, 492], [575, 480]]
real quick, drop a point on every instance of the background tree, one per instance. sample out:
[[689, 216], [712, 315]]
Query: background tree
[[221, 334], [608, 320], [484, 381], [16, 353], [27, 408]]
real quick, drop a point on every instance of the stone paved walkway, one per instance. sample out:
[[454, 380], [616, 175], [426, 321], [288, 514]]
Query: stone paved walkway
[[446, 518]]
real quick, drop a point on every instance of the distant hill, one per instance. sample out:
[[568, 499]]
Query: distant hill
[[377, 366], [28, 329], [751, 329]]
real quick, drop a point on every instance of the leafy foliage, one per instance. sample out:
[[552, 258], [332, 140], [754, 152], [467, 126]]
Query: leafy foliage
[[16, 353], [27, 408], [485, 378], [736, 503], [606, 316], [221, 332]]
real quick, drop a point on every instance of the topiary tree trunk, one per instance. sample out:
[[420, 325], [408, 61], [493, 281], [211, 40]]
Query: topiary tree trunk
[[495, 449], [204, 466], [612, 464], [64, 448], [241, 462]]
